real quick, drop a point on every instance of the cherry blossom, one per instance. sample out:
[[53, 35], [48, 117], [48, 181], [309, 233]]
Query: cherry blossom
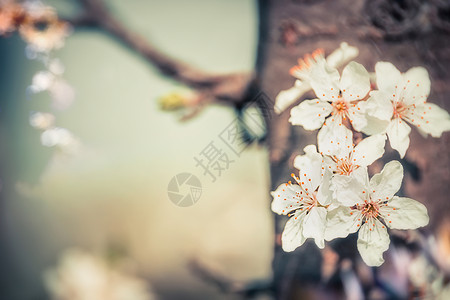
[[402, 99], [302, 71], [370, 207], [306, 203], [338, 101], [346, 159]]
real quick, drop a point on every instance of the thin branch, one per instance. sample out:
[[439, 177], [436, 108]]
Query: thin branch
[[229, 88]]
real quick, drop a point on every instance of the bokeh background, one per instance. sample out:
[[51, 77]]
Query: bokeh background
[[111, 195]]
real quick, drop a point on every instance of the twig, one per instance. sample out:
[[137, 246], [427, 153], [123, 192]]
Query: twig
[[228, 88]]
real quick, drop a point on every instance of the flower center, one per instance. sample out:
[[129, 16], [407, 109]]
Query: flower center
[[399, 109], [340, 107], [344, 166], [371, 209]]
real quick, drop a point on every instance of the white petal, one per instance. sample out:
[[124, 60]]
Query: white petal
[[379, 106], [357, 116], [310, 114], [373, 240], [286, 198], [416, 86], [350, 190], [398, 133], [369, 150], [325, 82], [385, 184], [342, 55], [430, 118], [324, 194], [334, 138], [375, 126], [287, 97], [404, 213], [341, 222], [388, 76], [315, 224], [292, 236], [355, 82], [310, 166]]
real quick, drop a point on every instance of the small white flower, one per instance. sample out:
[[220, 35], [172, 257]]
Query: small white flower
[[337, 58], [346, 159], [370, 207], [400, 98], [338, 96], [306, 202]]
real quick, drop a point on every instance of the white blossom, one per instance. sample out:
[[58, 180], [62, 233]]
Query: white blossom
[[370, 207], [402, 99], [338, 100], [306, 203], [346, 159]]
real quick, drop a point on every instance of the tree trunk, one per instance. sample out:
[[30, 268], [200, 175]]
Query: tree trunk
[[417, 37]]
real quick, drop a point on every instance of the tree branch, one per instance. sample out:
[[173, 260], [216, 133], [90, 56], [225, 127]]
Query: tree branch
[[226, 88]]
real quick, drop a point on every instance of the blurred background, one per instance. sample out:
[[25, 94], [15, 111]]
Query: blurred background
[[107, 200]]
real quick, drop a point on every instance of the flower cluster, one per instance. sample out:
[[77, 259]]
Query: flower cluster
[[333, 195]]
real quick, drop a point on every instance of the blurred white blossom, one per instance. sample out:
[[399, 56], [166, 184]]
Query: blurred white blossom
[[61, 138], [83, 276], [40, 120]]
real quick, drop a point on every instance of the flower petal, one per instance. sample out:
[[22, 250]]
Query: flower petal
[[324, 81], [416, 86], [404, 213], [334, 138], [350, 190], [369, 150], [315, 224], [431, 119], [342, 55], [355, 82], [379, 105], [388, 76], [373, 240], [398, 133], [310, 166], [385, 184], [357, 116], [341, 222], [310, 114], [324, 194], [292, 236], [287, 97], [286, 198]]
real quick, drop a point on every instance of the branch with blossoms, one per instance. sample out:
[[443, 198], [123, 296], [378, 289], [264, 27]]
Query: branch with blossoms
[[333, 196]]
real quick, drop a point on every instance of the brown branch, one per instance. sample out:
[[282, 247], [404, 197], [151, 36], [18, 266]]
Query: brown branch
[[228, 88]]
